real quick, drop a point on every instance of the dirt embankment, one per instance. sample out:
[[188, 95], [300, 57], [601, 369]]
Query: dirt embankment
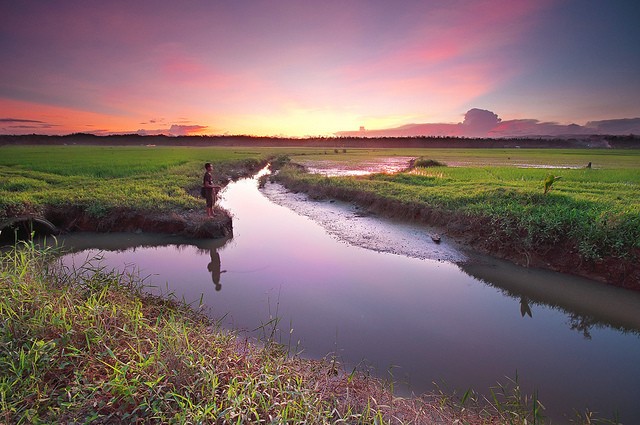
[[65, 219], [479, 234], [187, 223]]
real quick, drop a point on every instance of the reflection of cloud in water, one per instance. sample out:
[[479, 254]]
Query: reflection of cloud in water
[[587, 303], [401, 163], [547, 166]]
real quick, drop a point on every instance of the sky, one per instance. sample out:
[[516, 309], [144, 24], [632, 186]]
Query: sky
[[319, 68]]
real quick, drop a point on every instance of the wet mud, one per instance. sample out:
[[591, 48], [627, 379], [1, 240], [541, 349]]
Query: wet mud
[[351, 224]]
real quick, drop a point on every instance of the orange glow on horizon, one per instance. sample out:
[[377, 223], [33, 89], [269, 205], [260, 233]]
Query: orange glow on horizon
[[57, 120]]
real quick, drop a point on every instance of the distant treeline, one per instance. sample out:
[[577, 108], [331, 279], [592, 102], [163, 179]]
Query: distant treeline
[[594, 141]]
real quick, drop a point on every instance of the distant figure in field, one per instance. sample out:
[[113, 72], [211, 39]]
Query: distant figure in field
[[209, 190]]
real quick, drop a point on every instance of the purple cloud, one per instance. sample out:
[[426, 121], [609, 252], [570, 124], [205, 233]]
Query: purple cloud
[[186, 130], [24, 124], [174, 130], [619, 126], [484, 123], [17, 120], [478, 122]]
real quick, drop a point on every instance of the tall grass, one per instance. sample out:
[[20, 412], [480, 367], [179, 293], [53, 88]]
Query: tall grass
[[87, 345]]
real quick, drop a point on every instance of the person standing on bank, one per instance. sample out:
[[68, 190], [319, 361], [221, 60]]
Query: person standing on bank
[[208, 188]]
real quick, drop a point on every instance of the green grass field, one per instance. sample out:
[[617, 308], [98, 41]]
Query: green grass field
[[112, 161], [101, 178], [598, 207]]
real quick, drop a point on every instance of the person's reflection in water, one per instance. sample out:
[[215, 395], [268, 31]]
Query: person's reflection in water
[[524, 307], [214, 268]]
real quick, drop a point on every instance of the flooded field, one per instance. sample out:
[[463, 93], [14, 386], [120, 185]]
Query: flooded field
[[364, 167]]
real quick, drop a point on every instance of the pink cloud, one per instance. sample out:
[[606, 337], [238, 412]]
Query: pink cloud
[[409, 130], [457, 55], [175, 130], [532, 127], [187, 130], [182, 68]]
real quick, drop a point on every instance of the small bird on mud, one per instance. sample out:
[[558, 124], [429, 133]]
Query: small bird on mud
[[435, 237], [548, 182]]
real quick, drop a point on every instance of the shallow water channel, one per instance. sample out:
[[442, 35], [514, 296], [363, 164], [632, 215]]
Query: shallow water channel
[[383, 296]]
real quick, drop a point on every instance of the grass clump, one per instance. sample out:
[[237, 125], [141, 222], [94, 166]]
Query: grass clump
[[423, 162]]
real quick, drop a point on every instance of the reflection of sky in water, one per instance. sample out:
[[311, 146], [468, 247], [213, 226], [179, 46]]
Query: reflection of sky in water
[[379, 165], [430, 320]]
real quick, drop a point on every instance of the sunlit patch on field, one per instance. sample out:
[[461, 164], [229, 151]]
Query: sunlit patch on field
[[426, 172]]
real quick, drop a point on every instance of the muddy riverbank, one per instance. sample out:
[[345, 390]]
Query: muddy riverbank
[[63, 220]]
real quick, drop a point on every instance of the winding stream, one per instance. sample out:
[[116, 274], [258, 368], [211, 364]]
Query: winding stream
[[382, 295]]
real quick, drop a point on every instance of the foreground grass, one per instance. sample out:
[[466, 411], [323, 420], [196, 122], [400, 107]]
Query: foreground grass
[[86, 345], [597, 209]]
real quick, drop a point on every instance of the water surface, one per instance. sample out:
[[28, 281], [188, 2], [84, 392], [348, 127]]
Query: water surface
[[384, 296]]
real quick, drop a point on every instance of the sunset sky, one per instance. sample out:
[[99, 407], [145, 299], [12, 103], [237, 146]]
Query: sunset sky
[[307, 68]]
